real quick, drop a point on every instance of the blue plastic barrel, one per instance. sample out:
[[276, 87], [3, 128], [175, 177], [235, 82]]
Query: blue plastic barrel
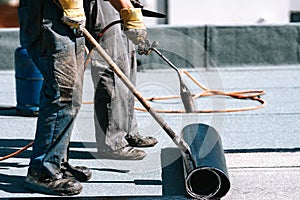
[[29, 81]]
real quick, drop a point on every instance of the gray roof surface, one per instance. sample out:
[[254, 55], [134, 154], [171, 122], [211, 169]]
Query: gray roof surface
[[262, 146]]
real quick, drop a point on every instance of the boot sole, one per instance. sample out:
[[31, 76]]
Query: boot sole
[[41, 189], [142, 146], [117, 157]]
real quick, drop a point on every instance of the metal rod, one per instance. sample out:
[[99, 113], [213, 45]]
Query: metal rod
[[185, 93]]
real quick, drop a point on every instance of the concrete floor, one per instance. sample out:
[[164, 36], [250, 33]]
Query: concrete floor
[[262, 146]]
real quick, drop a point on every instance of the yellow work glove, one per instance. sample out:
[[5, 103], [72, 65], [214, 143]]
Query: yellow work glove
[[133, 24], [74, 15]]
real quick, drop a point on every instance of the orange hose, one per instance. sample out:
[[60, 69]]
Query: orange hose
[[253, 95], [17, 152]]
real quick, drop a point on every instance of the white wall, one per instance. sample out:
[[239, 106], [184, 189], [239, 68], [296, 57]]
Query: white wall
[[150, 5], [295, 5], [228, 11]]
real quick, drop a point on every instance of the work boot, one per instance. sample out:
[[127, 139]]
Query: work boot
[[124, 153], [79, 173], [38, 181], [141, 141]]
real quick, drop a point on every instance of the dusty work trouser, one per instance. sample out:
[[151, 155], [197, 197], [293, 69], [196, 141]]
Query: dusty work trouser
[[114, 103], [59, 55]]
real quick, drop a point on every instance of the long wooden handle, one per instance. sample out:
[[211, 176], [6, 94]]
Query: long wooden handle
[[176, 139]]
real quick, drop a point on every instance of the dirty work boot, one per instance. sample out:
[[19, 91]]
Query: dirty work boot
[[124, 153], [79, 173], [38, 181], [141, 141]]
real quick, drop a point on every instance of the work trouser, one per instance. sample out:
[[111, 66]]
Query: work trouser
[[114, 103], [59, 55]]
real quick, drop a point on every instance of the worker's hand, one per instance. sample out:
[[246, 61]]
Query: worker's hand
[[74, 15], [134, 25], [146, 48]]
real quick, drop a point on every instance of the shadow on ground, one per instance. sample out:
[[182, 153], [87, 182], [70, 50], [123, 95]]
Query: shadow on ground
[[172, 182], [172, 172], [8, 111], [12, 183], [9, 146]]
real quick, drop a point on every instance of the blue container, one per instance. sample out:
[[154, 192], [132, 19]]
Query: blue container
[[29, 82]]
